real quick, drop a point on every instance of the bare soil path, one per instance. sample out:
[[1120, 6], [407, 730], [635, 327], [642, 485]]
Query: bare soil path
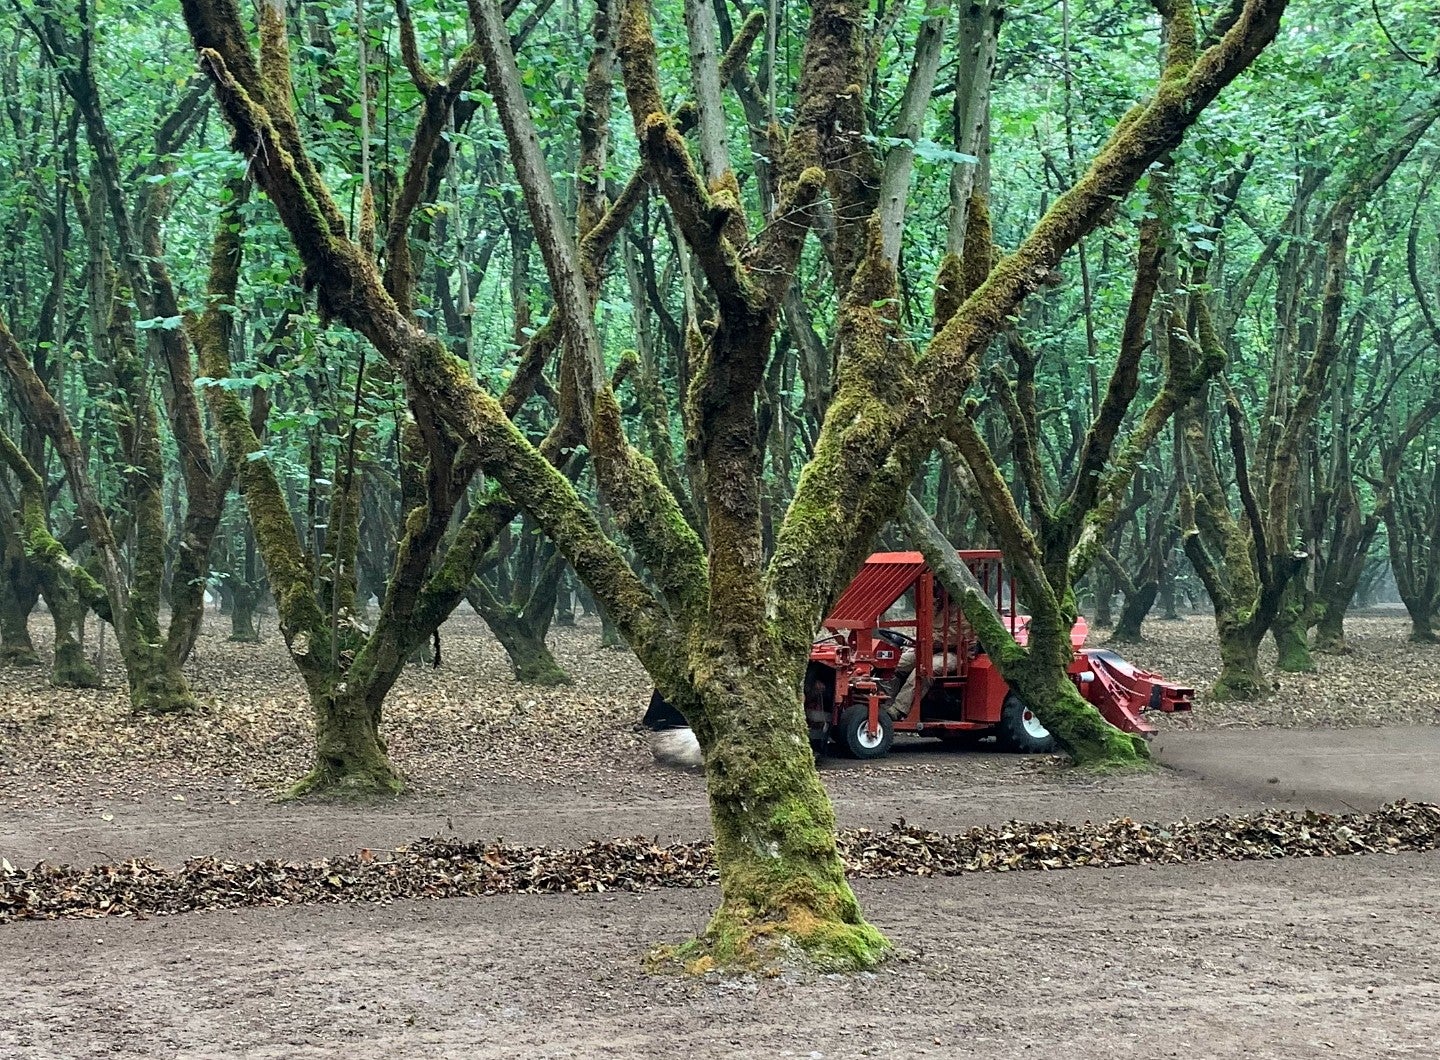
[[1323, 769], [1292, 959]]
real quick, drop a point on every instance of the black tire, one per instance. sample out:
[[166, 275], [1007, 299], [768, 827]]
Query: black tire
[[853, 737], [1020, 731]]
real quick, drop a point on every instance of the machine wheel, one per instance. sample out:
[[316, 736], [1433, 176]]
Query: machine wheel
[[1020, 730], [854, 738]]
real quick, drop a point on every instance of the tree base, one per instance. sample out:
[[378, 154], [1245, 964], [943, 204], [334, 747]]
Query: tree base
[[1134, 759], [1081, 730], [19, 656], [244, 638], [1121, 635], [734, 945], [1295, 661], [377, 780], [162, 698], [1231, 688], [72, 669], [546, 673], [1423, 636]]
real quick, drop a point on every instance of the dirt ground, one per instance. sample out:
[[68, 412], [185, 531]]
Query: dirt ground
[[1292, 958]]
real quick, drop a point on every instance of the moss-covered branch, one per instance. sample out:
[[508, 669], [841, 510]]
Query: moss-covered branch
[[40, 546]]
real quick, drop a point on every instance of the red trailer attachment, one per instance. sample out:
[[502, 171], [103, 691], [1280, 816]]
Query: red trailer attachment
[[1122, 691]]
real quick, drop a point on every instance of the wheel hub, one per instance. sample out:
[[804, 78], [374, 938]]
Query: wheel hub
[[1031, 724], [865, 738]]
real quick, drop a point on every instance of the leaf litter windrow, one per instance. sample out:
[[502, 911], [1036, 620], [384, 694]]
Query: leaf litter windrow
[[450, 868]]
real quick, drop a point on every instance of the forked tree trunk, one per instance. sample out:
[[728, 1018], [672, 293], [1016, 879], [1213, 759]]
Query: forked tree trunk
[[157, 682], [781, 875], [1240, 676], [530, 656], [154, 672], [71, 668]]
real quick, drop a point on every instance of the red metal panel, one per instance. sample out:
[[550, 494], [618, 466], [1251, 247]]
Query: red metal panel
[[881, 581], [985, 691]]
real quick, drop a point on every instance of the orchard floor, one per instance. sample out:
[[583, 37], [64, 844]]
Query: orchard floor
[[1291, 958]]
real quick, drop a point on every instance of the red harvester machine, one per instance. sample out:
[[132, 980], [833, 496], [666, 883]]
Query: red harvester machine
[[858, 687]]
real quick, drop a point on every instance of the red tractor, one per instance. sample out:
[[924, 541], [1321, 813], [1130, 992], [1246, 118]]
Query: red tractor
[[897, 655]]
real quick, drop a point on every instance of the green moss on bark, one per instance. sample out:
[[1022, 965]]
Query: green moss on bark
[[351, 760], [1240, 677], [1289, 630], [71, 668], [783, 886], [157, 685]]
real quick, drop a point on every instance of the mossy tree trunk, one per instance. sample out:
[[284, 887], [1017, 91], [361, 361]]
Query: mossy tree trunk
[[351, 758], [1330, 631], [69, 589], [1422, 627], [1343, 569], [245, 600], [1138, 604], [154, 673], [523, 624], [1156, 535], [1053, 545], [347, 671], [1244, 578], [774, 830], [19, 592], [521, 632], [71, 668], [1104, 617], [1168, 610], [1411, 511], [1037, 672], [140, 273], [1291, 630], [1240, 676], [156, 682]]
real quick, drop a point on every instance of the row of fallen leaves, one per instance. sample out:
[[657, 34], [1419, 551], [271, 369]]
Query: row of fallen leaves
[[450, 868]]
